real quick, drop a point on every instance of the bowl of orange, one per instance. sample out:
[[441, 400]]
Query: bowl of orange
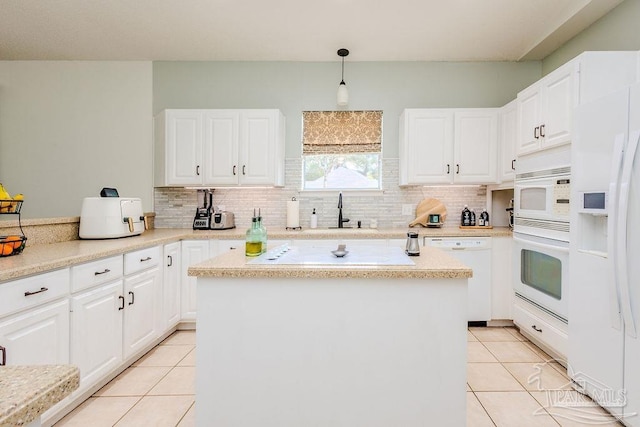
[[11, 245]]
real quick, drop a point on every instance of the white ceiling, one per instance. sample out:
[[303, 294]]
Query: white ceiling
[[291, 30]]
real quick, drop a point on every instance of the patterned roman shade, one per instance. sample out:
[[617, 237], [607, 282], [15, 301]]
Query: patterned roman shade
[[337, 132]]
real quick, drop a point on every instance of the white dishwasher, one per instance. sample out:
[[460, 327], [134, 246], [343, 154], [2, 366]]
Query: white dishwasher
[[474, 252]]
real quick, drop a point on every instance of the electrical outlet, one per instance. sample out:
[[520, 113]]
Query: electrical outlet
[[407, 209]]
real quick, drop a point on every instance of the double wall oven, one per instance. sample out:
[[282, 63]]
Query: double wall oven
[[541, 233]]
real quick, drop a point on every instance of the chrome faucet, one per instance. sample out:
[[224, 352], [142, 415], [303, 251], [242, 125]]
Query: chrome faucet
[[341, 221]]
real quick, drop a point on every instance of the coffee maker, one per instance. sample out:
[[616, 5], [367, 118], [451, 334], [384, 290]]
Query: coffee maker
[[204, 211]]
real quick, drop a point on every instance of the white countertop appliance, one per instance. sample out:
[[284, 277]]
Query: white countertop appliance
[[111, 217], [604, 313]]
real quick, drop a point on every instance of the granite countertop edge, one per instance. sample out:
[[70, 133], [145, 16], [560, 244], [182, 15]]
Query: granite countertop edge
[[28, 391], [48, 257]]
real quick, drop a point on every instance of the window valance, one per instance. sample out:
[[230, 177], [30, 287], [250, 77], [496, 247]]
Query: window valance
[[337, 132]]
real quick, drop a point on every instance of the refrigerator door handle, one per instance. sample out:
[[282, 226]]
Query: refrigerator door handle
[[612, 237], [621, 251]]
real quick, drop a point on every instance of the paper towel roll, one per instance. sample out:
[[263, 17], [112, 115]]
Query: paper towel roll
[[293, 213]]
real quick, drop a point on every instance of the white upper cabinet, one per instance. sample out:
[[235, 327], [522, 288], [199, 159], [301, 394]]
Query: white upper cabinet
[[544, 111], [545, 108], [426, 146], [508, 136], [475, 146], [444, 146], [219, 148]]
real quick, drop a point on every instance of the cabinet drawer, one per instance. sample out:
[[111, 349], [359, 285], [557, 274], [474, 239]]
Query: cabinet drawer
[[31, 291], [537, 328], [141, 260], [94, 273]]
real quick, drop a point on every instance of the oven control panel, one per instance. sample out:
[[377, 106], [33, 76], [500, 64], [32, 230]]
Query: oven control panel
[[561, 193]]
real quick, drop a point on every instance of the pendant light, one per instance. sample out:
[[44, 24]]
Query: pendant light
[[343, 95]]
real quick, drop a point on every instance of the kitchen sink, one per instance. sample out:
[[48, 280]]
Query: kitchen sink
[[339, 230]]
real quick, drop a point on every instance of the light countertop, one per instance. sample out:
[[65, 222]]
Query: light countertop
[[27, 391], [41, 258], [431, 264]]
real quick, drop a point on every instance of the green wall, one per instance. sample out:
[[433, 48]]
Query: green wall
[[617, 30], [297, 86]]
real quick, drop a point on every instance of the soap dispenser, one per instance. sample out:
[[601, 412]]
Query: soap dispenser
[[314, 219]]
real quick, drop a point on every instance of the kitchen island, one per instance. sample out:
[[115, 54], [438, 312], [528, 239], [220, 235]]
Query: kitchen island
[[331, 345]]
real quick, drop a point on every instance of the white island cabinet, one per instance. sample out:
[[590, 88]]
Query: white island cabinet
[[352, 345]]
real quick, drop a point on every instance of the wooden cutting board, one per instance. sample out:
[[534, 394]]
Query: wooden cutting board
[[425, 208]]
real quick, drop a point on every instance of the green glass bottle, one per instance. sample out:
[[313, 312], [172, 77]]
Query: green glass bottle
[[263, 232], [253, 244]]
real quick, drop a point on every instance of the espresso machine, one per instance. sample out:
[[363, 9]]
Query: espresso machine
[[204, 211]]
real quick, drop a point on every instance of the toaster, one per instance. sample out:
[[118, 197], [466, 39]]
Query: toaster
[[222, 220], [111, 217]]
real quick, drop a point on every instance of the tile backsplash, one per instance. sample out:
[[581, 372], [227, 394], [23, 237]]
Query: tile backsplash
[[175, 207]]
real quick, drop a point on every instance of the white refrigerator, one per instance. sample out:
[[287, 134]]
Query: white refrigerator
[[604, 300]]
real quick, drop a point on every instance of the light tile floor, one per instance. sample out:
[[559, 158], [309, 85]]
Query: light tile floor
[[510, 382], [157, 390]]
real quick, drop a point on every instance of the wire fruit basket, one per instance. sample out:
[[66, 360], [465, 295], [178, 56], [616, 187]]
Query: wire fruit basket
[[15, 243]]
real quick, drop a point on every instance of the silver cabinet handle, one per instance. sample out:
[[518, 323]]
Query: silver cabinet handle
[[234, 170], [3, 361], [542, 134], [198, 170], [244, 167]]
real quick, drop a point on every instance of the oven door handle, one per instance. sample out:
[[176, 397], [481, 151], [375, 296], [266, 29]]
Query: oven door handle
[[541, 245]]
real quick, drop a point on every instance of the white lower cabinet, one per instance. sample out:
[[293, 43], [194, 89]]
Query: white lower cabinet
[[501, 278], [142, 293], [39, 336], [171, 285], [193, 252], [96, 331]]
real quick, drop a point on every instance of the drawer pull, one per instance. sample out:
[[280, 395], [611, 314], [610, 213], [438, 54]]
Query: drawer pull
[[535, 328], [145, 259], [42, 289], [133, 298], [121, 298], [170, 260], [3, 361], [97, 273]]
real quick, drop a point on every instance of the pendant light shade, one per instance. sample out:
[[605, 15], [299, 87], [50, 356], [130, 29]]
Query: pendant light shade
[[343, 94]]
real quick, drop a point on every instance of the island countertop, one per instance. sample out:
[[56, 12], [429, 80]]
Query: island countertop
[[431, 264], [27, 391]]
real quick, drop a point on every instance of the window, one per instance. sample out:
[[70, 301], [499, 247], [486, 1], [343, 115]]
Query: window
[[341, 149]]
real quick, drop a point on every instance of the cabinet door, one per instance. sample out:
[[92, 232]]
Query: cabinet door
[[96, 331], [476, 143], [221, 128], [141, 293], [529, 120], [171, 286], [193, 252], [557, 106], [38, 336], [426, 147], [257, 147], [501, 283], [507, 142], [184, 147]]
